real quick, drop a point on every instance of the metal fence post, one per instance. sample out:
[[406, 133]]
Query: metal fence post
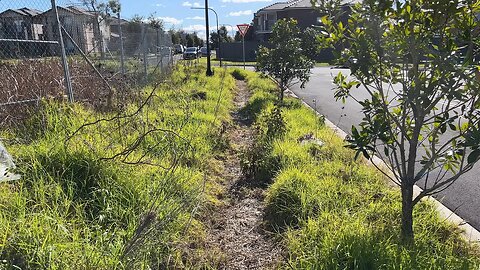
[[144, 45], [122, 52], [66, 70]]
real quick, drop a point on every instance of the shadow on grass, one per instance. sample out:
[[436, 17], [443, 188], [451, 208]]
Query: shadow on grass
[[85, 181]]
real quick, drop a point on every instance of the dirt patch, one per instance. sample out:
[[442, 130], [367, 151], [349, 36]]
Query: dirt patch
[[235, 229]]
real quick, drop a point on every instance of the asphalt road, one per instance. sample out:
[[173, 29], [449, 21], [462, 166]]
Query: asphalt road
[[463, 197]]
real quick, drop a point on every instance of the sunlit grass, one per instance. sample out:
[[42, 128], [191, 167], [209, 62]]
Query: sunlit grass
[[333, 212], [73, 210]]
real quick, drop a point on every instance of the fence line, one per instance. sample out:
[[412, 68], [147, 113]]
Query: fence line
[[57, 51]]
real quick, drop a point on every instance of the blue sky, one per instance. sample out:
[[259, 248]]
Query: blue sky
[[176, 13]]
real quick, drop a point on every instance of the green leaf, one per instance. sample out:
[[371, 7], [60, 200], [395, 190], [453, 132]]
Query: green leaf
[[473, 157], [325, 20]]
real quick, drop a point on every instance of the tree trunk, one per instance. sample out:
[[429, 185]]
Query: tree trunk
[[99, 37], [407, 213], [282, 91]]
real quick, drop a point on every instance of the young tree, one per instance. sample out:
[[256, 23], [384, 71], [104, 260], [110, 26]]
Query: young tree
[[310, 43], [415, 58], [286, 60]]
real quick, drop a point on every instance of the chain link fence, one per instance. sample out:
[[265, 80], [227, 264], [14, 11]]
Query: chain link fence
[[67, 51]]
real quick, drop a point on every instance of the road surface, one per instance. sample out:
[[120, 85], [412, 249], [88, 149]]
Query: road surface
[[463, 197]]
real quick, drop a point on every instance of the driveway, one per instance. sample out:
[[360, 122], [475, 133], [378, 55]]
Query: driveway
[[463, 197]]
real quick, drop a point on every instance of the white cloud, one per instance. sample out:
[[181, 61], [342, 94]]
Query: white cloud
[[240, 13], [188, 4], [170, 20], [196, 18], [199, 29], [230, 29], [196, 28], [245, 1], [159, 5]]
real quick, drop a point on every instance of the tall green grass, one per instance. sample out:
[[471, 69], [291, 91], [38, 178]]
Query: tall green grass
[[333, 212], [76, 207]]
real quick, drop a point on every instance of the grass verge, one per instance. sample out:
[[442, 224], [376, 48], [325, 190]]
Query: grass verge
[[120, 193], [331, 211]]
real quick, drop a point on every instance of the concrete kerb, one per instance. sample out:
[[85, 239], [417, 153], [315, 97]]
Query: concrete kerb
[[470, 234]]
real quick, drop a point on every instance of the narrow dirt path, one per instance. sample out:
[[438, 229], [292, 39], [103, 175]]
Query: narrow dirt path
[[236, 228]]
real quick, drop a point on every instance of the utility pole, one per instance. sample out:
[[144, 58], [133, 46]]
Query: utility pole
[[209, 65], [219, 56]]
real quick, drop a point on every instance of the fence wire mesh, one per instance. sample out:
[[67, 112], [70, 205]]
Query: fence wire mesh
[[108, 57]]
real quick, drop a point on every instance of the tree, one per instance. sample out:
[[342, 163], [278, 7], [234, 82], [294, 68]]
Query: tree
[[286, 61], [114, 6], [190, 41], [237, 37], [415, 58], [133, 35], [178, 36], [224, 37], [157, 25], [196, 40], [310, 43], [100, 10], [174, 38]]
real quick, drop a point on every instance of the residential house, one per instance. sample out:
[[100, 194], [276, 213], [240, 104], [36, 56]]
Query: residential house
[[88, 30], [20, 24], [115, 24], [301, 10]]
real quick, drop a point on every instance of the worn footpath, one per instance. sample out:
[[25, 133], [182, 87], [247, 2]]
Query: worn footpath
[[235, 228]]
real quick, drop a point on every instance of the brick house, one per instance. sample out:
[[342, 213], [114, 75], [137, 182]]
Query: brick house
[[301, 10]]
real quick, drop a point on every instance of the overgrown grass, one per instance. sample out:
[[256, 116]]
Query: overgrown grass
[[77, 207], [337, 213]]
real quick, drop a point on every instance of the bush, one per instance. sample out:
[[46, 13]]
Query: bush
[[258, 163]]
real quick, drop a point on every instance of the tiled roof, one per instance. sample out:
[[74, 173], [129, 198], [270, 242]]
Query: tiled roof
[[114, 21], [277, 6], [29, 12], [71, 9], [298, 4], [78, 10]]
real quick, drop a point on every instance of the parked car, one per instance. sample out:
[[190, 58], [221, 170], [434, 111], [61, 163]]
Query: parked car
[[191, 53], [179, 49], [165, 50], [204, 52]]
